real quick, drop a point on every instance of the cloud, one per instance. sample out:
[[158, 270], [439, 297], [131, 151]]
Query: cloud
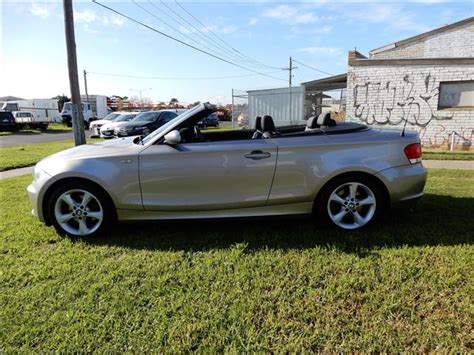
[[291, 14], [320, 50], [88, 16], [390, 15], [85, 16], [252, 21], [323, 29], [40, 10]]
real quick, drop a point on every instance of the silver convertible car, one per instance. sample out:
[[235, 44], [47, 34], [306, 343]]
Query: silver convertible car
[[345, 174]]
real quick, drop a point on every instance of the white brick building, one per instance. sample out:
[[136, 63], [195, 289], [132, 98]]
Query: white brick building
[[426, 81]]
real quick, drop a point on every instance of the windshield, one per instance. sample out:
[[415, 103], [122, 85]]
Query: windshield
[[67, 106], [146, 117], [125, 117], [111, 116], [168, 124]]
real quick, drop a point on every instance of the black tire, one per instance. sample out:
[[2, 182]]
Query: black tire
[[108, 208], [322, 207]]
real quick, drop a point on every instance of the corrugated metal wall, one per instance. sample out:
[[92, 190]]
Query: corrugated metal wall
[[276, 103]]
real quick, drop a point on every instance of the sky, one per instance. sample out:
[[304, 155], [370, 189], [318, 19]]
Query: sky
[[123, 57]]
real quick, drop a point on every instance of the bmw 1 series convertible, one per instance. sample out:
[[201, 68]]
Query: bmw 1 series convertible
[[345, 174]]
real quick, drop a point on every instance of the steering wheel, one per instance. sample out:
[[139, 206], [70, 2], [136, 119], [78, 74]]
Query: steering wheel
[[198, 135]]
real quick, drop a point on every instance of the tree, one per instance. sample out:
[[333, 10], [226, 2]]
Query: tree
[[174, 101], [61, 100]]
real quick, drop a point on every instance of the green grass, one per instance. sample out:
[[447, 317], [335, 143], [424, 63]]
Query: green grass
[[448, 155], [281, 285], [52, 128], [19, 156]]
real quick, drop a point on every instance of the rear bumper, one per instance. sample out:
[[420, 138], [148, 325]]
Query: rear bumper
[[405, 184]]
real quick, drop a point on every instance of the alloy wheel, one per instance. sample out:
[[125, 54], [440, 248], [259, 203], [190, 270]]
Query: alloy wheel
[[78, 212], [351, 205]]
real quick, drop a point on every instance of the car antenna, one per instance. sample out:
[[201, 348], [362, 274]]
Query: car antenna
[[403, 130]]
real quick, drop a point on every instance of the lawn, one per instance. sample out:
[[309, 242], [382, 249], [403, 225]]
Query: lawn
[[19, 156], [52, 128], [448, 155], [281, 285]]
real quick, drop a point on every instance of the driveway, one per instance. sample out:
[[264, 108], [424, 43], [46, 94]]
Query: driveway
[[33, 138]]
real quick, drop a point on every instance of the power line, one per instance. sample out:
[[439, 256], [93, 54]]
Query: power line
[[310, 67], [182, 42], [175, 29], [203, 35], [219, 38], [176, 78]]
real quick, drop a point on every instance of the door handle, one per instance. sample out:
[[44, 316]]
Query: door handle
[[257, 155]]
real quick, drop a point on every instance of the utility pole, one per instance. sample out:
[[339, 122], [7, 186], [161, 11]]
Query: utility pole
[[77, 118], [290, 79], [85, 85]]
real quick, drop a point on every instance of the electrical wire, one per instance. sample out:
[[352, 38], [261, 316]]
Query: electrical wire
[[203, 35], [182, 42], [175, 78], [310, 67], [177, 30], [219, 38]]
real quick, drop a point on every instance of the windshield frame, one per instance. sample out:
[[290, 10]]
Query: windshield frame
[[160, 132]]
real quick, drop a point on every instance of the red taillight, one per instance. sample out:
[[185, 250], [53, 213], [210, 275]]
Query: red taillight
[[413, 153]]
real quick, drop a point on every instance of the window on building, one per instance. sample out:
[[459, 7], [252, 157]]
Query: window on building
[[456, 94]]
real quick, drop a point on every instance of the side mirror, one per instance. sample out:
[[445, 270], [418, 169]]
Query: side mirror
[[173, 137]]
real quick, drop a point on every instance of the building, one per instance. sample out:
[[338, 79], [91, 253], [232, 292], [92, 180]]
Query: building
[[425, 81]]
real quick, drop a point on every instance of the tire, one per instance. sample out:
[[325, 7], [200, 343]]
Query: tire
[[350, 202], [67, 200]]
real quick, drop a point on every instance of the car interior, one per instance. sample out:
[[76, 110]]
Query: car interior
[[265, 128]]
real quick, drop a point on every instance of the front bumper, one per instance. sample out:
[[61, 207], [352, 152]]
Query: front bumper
[[41, 182], [107, 133], [405, 184]]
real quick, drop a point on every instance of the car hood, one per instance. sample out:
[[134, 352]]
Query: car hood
[[111, 125], [132, 124], [111, 148], [99, 122]]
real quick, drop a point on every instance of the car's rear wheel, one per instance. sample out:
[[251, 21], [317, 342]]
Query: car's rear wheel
[[350, 202], [80, 210]]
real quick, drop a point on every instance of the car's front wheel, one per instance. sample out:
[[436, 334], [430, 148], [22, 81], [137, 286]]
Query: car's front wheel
[[350, 202], [80, 210]]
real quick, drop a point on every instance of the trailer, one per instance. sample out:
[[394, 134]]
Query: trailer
[[36, 113]]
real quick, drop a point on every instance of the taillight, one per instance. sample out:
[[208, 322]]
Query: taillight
[[413, 153]]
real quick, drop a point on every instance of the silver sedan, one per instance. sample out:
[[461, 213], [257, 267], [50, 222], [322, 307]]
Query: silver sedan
[[345, 174]]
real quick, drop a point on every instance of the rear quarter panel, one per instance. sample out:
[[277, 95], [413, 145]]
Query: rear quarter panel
[[305, 164]]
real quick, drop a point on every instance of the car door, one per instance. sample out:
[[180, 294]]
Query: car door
[[207, 175]]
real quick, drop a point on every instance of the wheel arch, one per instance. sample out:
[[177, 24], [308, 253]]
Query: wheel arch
[[78, 180], [349, 174]]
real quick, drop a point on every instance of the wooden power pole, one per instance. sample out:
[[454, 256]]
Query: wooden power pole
[[77, 117]]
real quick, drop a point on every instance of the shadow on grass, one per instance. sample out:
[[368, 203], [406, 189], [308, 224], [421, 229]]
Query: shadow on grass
[[438, 220]]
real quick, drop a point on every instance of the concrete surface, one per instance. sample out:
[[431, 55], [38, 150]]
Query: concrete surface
[[34, 138]]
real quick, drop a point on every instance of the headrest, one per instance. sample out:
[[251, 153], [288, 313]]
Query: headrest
[[312, 122], [258, 123], [267, 124], [324, 119]]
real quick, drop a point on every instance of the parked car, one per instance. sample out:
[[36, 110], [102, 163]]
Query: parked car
[[95, 126], [210, 121], [7, 121], [107, 130], [346, 174], [144, 123]]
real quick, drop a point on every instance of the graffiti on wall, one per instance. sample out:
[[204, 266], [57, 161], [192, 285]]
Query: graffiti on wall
[[390, 103], [441, 136]]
